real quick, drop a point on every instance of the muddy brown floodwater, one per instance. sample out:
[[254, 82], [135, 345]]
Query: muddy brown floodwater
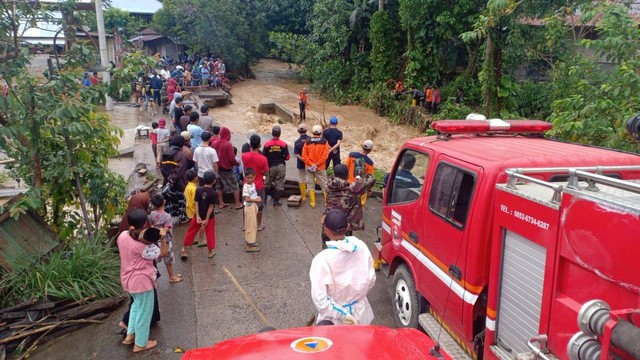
[[278, 82]]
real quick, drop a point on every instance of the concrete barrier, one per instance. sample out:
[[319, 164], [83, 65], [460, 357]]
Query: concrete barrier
[[278, 110]]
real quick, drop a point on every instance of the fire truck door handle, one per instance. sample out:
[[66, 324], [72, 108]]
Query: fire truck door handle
[[455, 272], [413, 236]]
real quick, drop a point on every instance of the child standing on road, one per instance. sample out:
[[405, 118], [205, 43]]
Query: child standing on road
[[138, 278], [190, 197], [162, 220], [204, 201], [251, 201]]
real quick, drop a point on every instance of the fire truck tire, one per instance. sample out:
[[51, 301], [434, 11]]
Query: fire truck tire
[[407, 303]]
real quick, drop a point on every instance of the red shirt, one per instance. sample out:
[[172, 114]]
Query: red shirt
[[258, 163]]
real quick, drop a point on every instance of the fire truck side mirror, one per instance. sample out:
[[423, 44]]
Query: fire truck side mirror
[[633, 127]]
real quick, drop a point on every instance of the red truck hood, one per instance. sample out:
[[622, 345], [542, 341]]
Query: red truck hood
[[324, 342]]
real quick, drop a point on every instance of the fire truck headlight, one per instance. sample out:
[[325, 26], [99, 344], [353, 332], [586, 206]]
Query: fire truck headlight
[[583, 347]]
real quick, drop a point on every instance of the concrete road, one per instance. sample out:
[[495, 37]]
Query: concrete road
[[233, 294]]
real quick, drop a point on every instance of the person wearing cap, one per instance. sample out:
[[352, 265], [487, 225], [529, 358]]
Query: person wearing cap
[[334, 137], [162, 139], [302, 102], [186, 147], [277, 153], [360, 164], [346, 197], [314, 154], [297, 151], [342, 275]]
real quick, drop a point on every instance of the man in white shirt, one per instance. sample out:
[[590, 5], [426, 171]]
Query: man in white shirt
[[205, 157]]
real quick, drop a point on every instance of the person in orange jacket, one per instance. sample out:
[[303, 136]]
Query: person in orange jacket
[[359, 164], [302, 102], [314, 154]]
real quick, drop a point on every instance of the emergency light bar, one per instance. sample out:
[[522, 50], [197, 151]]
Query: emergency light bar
[[491, 126]]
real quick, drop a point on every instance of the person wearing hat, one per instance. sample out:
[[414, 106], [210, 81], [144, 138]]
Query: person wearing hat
[[277, 153], [186, 148], [360, 164], [342, 275], [347, 198], [334, 137], [302, 102], [314, 154], [297, 151]]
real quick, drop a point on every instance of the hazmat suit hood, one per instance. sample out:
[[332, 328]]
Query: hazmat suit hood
[[225, 134], [343, 245]]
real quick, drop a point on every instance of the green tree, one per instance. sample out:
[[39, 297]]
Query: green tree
[[593, 103], [233, 29], [117, 18], [52, 126], [386, 49]]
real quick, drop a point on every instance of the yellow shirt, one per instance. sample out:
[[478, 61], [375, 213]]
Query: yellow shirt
[[190, 196]]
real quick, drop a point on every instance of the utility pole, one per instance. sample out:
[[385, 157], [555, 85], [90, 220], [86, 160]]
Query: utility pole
[[104, 55]]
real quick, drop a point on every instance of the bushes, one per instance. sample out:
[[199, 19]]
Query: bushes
[[76, 271]]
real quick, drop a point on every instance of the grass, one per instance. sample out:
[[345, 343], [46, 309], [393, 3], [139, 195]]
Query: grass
[[76, 271]]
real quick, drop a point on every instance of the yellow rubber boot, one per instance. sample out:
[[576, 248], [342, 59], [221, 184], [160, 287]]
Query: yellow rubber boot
[[324, 193], [363, 200], [303, 191], [312, 198]]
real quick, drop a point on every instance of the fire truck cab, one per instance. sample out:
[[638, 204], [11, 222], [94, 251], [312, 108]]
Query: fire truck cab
[[499, 240]]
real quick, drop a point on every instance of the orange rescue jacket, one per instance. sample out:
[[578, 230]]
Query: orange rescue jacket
[[315, 152]]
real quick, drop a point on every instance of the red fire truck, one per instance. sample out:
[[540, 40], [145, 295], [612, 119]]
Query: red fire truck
[[505, 245]]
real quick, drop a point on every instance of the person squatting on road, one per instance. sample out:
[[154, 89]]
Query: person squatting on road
[[205, 218], [251, 201], [334, 137], [277, 153], [342, 275], [138, 278], [297, 151], [346, 197], [314, 154], [360, 164]]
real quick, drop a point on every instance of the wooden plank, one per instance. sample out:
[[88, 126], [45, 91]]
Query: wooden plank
[[19, 306]]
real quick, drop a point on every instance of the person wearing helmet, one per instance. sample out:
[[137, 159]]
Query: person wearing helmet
[[314, 154], [277, 152], [334, 137]]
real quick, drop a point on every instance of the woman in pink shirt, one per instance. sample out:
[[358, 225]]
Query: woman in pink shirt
[[138, 277]]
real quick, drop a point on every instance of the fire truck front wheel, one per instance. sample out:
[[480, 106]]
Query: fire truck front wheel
[[407, 303]]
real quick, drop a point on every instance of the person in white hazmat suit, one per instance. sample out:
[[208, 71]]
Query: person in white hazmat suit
[[342, 275]]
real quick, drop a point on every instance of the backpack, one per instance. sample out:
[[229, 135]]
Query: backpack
[[168, 164]]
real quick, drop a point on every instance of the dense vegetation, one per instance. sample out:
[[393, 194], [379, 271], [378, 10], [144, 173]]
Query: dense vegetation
[[572, 62]]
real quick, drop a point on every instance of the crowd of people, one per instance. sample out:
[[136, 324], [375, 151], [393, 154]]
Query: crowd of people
[[200, 167], [428, 97], [159, 86]]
